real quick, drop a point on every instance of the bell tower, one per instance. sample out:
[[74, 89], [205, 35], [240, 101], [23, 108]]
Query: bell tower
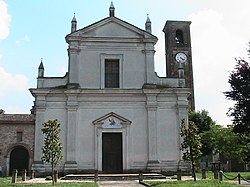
[[178, 54]]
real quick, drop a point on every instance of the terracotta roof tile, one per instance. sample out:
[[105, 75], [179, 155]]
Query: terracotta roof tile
[[20, 118]]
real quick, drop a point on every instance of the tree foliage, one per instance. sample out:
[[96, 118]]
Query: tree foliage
[[223, 140], [52, 148], [201, 119], [191, 144], [239, 81], [203, 122], [239, 92], [230, 144]]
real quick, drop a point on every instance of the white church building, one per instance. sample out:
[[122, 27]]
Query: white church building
[[116, 114]]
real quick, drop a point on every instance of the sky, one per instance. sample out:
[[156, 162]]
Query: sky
[[34, 30]]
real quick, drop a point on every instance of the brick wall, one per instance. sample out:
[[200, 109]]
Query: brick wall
[[9, 126]]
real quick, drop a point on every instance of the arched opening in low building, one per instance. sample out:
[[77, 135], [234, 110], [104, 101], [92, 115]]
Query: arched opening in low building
[[19, 159]]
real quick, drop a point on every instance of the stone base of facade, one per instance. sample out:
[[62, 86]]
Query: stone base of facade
[[153, 166], [38, 167], [70, 167], [172, 166]]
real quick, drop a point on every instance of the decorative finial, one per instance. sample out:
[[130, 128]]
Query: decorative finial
[[74, 17], [148, 20], [73, 24], [148, 25], [41, 64], [41, 69], [111, 10]]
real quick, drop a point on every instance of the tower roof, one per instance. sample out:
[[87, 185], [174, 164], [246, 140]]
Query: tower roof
[[41, 65], [74, 18], [148, 20]]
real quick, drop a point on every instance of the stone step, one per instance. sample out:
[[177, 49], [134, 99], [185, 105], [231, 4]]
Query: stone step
[[113, 177]]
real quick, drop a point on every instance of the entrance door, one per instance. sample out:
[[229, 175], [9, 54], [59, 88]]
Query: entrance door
[[112, 153], [19, 159]]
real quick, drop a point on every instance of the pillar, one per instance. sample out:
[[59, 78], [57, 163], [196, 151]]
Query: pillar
[[73, 53], [40, 106], [182, 113], [151, 106], [72, 107], [149, 63]]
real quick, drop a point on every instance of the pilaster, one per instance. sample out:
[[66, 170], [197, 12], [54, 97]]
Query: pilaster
[[149, 62], [72, 107], [38, 164], [151, 106], [182, 113], [73, 53]]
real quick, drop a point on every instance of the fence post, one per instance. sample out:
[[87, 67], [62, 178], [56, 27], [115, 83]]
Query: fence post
[[14, 176], [238, 178], [216, 174], [96, 176], [179, 174], [220, 175], [203, 174], [24, 175], [32, 175], [140, 176]]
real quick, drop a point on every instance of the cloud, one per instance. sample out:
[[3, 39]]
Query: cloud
[[5, 20], [215, 43], [14, 88], [12, 83], [25, 38]]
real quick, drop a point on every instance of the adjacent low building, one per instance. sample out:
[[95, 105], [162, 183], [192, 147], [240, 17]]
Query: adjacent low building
[[17, 134]]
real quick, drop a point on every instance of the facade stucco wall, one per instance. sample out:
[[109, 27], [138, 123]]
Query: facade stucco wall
[[79, 135]]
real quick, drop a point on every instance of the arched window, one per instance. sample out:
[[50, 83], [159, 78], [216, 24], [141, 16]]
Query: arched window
[[179, 37]]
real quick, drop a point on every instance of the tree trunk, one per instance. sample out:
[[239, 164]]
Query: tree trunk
[[193, 171], [53, 175]]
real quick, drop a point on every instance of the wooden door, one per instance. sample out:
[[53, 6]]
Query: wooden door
[[112, 153]]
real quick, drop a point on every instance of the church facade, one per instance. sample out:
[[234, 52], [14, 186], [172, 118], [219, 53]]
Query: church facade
[[116, 114]]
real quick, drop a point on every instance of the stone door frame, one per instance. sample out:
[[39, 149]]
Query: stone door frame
[[100, 127]]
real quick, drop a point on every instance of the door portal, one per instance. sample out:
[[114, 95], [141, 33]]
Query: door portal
[[19, 159], [112, 161]]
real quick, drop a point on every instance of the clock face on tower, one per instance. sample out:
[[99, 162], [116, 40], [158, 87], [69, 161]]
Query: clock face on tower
[[181, 57]]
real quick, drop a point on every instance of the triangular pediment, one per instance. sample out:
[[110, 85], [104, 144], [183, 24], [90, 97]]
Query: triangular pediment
[[112, 120], [112, 27]]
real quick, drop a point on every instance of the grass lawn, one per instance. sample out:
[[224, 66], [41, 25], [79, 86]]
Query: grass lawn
[[6, 182], [203, 183], [210, 182]]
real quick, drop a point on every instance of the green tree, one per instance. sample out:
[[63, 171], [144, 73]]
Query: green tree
[[191, 144], [239, 92], [223, 141], [201, 119], [228, 143], [239, 81], [52, 148], [203, 122]]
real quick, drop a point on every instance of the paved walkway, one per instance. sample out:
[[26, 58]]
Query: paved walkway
[[123, 183], [130, 183]]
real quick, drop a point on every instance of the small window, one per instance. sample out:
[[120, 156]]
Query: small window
[[179, 37], [111, 73], [19, 136]]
